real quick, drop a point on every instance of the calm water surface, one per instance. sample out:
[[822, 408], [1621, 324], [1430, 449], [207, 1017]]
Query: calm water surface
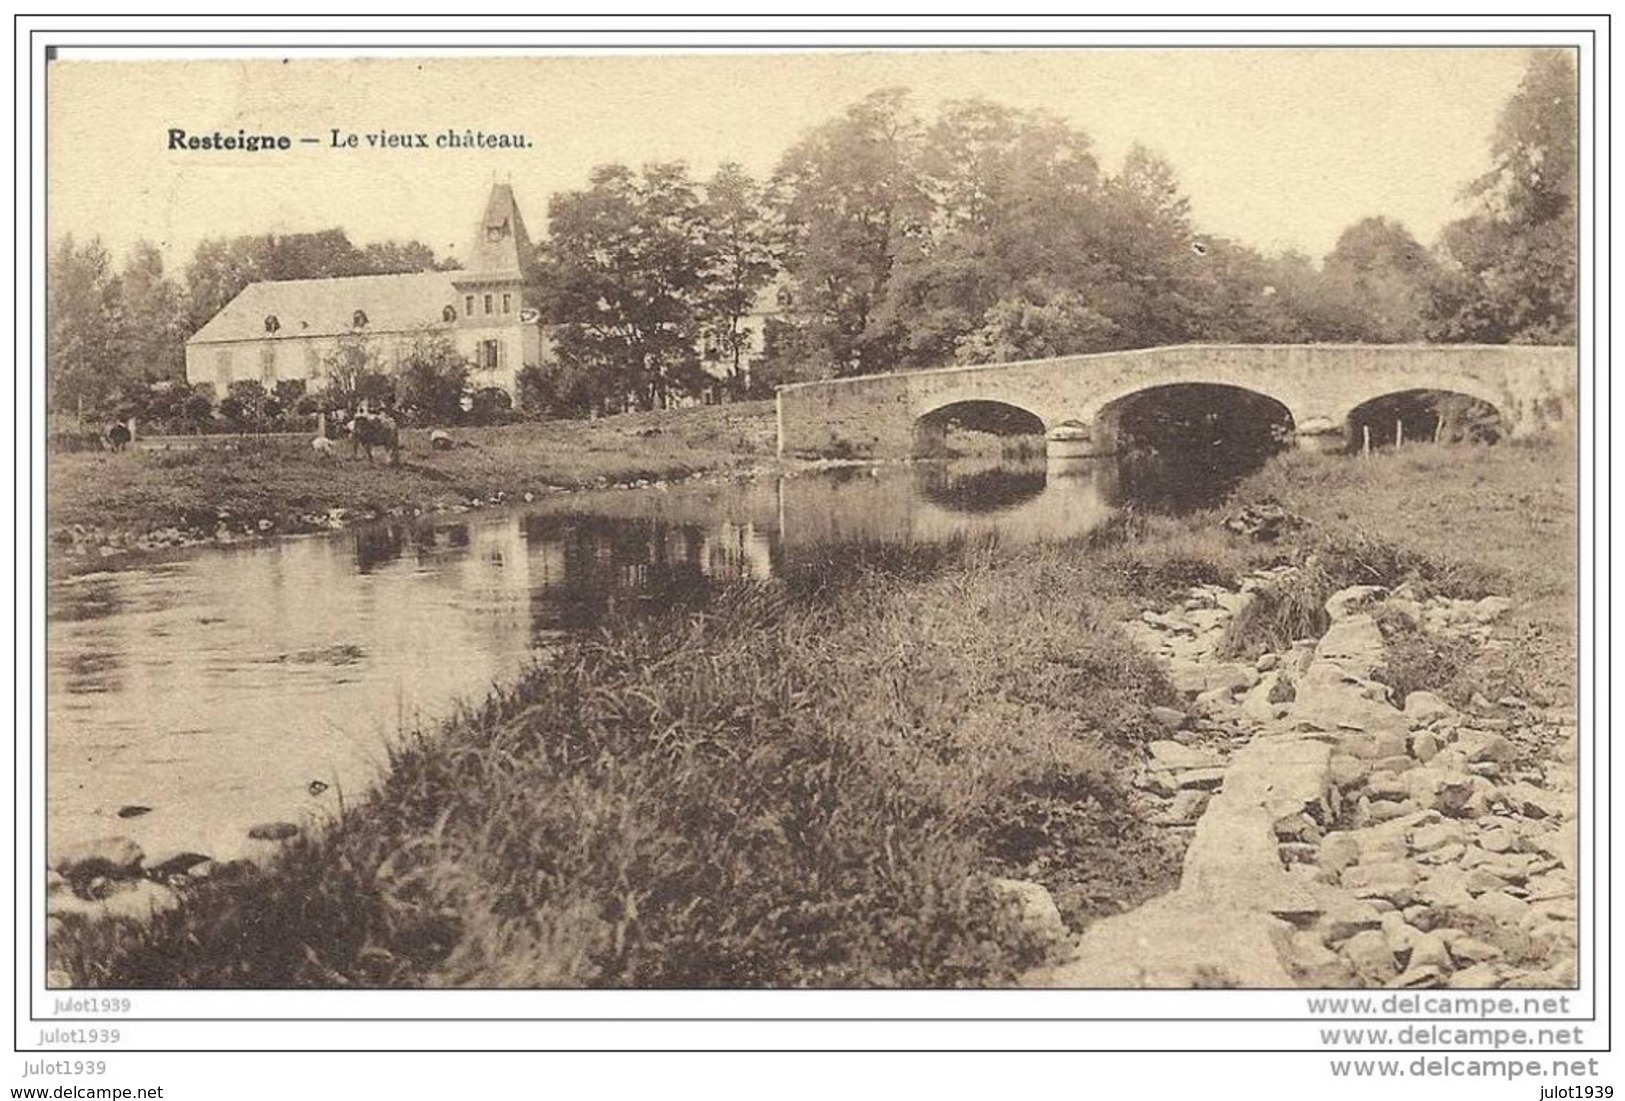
[[215, 689]]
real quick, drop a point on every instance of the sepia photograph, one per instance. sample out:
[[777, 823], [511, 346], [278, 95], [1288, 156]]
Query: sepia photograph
[[1054, 519]]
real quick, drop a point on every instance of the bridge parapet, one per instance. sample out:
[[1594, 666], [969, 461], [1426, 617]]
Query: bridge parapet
[[1320, 384]]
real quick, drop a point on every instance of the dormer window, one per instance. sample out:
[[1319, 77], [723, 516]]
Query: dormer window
[[359, 319], [271, 323], [449, 313]]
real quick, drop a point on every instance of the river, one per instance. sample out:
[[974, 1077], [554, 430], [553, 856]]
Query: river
[[193, 697]]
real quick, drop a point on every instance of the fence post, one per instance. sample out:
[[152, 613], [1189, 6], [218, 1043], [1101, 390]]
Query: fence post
[[1365, 449], [1399, 432]]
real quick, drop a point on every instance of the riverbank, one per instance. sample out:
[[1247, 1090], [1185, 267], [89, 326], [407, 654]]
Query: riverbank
[[103, 504], [879, 773]]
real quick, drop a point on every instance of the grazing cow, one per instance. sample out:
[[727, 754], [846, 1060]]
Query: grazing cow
[[440, 440], [118, 437], [370, 430], [322, 446]]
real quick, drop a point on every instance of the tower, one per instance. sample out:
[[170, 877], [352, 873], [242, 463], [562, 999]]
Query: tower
[[495, 296]]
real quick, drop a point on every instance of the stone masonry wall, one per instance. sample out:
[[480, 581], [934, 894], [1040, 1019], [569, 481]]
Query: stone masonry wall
[[874, 416]]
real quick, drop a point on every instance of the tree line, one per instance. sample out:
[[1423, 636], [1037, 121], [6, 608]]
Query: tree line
[[887, 240]]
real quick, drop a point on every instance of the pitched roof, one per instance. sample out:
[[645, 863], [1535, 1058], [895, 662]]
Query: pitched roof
[[326, 307], [501, 246]]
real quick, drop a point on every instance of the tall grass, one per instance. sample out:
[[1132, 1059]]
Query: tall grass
[[767, 789]]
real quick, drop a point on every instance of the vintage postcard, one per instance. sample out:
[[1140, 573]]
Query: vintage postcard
[[1058, 519]]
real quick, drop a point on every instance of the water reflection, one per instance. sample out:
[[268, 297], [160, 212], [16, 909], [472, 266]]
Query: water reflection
[[215, 688]]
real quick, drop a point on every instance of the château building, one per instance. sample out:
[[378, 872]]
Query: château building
[[291, 329]]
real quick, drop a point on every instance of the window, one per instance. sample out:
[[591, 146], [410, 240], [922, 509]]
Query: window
[[490, 353], [313, 362], [271, 323], [268, 364], [468, 305], [507, 303], [488, 305], [359, 320], [449, 313]]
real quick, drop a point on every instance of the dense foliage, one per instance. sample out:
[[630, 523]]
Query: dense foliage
[[885, 240]]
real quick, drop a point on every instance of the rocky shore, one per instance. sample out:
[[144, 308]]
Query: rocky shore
[[1338, 836]]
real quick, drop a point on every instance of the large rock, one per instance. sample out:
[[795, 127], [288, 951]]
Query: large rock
[[1193, 678], [1345, 915], [1498, 908], [1176, 942], [1233, 862], [1355, 644], [1533, 802], [1372, 958], [1393, 880], [1485, 745], [1170, 755], [1423, 708], [1033, 908]]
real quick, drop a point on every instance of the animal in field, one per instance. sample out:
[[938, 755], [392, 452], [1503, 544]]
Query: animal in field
[[322, 446], [440, 440], [118, 437], [370, 430]]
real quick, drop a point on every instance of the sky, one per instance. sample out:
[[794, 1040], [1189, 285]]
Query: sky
[[1278, 148]]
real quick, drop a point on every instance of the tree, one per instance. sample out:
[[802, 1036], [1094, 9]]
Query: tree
[[154, 346], [623, 278], [355, 373], [1034, 324], [1510, 265], [741, 245], [85, 322], [996, 226], [1386, 277], [390, 257], [848, 188], [433, 377]]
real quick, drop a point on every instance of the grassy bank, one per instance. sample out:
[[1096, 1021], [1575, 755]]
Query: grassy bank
[[282, 481], [1466, 521], [811, 782], [784, 786]]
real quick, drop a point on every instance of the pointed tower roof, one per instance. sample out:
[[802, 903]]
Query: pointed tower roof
[[501, 247]]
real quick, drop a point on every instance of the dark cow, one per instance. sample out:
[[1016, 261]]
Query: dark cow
[[370, 430], [118, 437]]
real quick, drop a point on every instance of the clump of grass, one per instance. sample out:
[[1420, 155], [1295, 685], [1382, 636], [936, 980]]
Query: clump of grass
[[1279, 614], [1416, 659], [1295, 607]]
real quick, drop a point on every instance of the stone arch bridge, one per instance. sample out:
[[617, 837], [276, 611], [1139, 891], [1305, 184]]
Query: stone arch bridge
[[1320, 385]]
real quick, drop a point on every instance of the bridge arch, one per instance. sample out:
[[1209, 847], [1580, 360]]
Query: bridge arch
[[1435, 381], [1191, 415], [1425, 414], [994, 415]]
